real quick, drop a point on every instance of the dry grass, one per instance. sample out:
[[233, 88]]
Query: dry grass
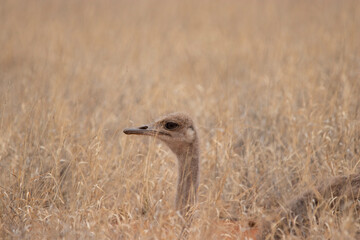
[[274, 87]]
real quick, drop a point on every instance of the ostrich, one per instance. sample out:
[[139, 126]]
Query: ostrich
[[178, 132]]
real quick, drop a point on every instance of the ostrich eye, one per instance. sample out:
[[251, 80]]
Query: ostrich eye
[[171, 125]]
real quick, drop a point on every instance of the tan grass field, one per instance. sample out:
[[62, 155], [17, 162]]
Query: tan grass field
[[273, 86]]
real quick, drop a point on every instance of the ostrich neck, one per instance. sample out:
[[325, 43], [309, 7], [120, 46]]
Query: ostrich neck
[[188, 176]]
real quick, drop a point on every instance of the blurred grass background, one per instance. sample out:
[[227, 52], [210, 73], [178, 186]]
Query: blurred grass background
[[274, 87]]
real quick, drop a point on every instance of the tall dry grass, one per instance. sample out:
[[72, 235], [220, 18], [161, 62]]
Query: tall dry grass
[[274, 87]]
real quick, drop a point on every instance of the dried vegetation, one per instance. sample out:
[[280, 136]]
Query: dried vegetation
[[274, 88]]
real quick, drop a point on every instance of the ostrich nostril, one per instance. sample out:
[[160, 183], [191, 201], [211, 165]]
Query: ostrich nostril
[[143, 127]]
